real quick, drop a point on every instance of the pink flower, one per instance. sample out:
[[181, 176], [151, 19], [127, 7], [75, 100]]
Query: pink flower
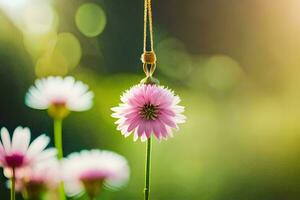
[[40, 178], [89, 170], [17, 153], [34, 181], [147, 109]]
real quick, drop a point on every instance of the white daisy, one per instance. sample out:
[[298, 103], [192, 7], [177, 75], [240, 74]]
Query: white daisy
[[59, 95], [17, 153], [89, 170]]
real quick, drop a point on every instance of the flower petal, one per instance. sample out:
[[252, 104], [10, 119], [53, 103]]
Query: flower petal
[[21, 139], [6, 140], [46, 154], [37, 146]]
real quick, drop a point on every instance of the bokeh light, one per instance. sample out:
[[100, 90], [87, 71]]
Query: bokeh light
[[68, 47], [173, 59], [37, 45], [90, 19], [38, 18], [63, 55], [14, 3], [222, 72]]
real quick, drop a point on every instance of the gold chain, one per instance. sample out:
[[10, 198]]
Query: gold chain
[[148, 57], [145, 24], [148, 17]]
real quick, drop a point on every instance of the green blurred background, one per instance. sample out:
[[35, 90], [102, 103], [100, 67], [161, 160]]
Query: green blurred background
[[234, 63]]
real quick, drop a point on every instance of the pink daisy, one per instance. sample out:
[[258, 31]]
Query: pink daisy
[[34, 181], [16, 153], [147, 109], [89, 170]]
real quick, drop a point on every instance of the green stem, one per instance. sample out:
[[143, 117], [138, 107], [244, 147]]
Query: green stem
[[13, 185], [148, 169], [92, 198], [62, 192], [58, 137], [59, 147]]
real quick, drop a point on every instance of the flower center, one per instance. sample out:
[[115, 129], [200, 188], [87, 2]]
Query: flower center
[[149, 112], [93, 182], [14, 160], [58, 109], [34, 189]]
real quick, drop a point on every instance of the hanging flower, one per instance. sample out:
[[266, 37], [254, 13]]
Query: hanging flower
[[147, 109], [36, 180], [16, 153], [59, 96], [89, 170]]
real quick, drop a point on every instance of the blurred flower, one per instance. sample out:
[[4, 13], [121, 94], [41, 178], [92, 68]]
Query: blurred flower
[[34, 181], [90, 170], [147, 109], [17, 153], [59, 95]]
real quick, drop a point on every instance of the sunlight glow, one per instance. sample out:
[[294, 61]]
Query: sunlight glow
[[90, 19], [38, 18]]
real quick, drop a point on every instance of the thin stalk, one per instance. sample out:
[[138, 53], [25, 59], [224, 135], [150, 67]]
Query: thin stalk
[[60, 154], [58, 137], [62, 192], [13, 185], [148, 169]]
